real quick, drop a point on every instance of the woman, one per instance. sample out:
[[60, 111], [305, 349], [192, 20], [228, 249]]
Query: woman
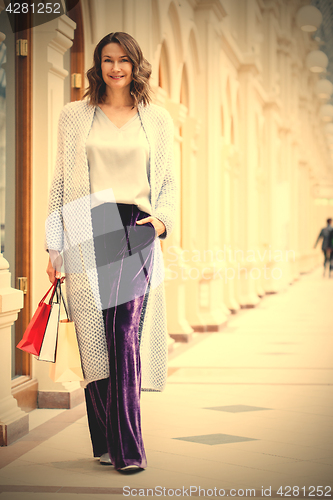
[[112, 199]]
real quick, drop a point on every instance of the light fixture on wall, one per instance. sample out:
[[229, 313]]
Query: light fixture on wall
[[309, 18], [326, 112], [324, 89], [316, 61]]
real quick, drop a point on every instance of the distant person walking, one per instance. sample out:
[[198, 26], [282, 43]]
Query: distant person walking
[[327, 246]]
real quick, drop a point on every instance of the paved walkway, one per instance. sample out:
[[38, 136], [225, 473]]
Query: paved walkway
[[250, 407]]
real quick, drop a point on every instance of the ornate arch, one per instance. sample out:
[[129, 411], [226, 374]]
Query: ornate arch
[[176, 29], [185, 88], [156, 23], [164, 80]]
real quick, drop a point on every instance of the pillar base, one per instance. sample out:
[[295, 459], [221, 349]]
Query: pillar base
[[13, 431], [182, 337], [26, 394], [233, 307], [14, 423], [60, 399], [249, 301], [209, 328], [171, 344]]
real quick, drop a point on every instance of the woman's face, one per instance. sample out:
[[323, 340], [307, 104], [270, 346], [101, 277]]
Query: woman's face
[[116, 66]]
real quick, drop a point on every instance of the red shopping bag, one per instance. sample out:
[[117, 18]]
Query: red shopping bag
[[34, 334]]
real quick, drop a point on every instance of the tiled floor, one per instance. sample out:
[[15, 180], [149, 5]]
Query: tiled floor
[[249, 407]]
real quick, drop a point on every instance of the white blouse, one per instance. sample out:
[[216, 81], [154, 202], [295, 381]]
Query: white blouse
[[118, 161]]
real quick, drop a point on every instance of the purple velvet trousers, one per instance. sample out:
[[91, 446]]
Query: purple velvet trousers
[[124, 254]]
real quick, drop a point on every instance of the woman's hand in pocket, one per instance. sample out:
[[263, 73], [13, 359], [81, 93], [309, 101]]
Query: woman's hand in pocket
[[158, 225]]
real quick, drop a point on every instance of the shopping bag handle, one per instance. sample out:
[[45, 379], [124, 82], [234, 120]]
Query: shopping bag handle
[[54, 285], [57, 293], [63, 301]]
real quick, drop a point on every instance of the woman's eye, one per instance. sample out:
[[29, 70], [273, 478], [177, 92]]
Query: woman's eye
[[122, 60]]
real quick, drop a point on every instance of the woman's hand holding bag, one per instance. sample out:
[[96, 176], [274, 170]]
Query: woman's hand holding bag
[[54, 265]]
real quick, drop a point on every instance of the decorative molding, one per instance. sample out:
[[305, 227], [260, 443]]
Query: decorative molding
[[251, 64], [323, 191], [60, 42], [284, 44], [271, 6], [4, 264], [273, 103], [58, 33], [261, 4], [260, 91], [231, 49], [58, 71], [214, 5], [66, 26]]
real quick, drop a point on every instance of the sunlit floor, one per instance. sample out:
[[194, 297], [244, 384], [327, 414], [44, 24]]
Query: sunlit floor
[[250, 407]]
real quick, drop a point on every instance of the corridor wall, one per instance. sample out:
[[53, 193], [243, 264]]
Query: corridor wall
[[249, 146]]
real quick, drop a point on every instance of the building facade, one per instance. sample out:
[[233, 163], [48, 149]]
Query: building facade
[[253, 164]]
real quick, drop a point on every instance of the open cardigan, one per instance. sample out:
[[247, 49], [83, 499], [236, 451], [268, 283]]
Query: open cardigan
[[69, 229]]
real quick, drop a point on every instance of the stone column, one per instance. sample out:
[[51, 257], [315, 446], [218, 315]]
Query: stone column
[[14, 423], [234, 228], [213, 311], [51, 41], [176, 269], [294, 242], [191, 206], [247, 257]]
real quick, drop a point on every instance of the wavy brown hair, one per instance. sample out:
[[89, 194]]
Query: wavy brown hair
[[140, 88]]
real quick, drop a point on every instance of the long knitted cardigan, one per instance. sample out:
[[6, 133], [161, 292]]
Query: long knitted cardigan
[[69, 229]]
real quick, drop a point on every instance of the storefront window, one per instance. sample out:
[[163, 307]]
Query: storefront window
[[7, 151], [2, 143]]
